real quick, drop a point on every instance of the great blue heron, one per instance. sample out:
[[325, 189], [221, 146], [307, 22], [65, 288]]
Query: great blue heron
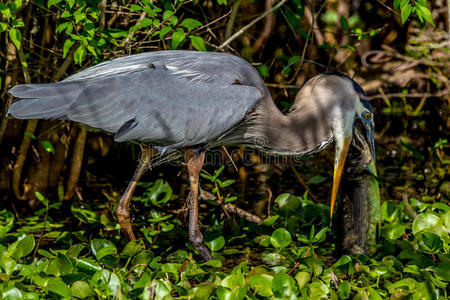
[[192, 101]]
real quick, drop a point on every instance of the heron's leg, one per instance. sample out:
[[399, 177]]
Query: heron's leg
[[123, 208], [195, 163]]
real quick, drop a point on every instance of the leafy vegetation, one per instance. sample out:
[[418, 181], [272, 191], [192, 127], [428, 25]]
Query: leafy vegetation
[[56, 245]]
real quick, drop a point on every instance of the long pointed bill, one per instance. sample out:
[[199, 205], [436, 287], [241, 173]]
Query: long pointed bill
[[341, 156]]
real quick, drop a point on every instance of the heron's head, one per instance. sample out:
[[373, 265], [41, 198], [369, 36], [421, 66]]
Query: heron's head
[[337, 104]]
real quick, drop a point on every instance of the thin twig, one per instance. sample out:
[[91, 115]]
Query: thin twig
[[41, 234], [243, 29], [269, 202], [232, 18], [231, 159]]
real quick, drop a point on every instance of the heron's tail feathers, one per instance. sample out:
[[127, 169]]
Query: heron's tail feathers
[[43, 101]]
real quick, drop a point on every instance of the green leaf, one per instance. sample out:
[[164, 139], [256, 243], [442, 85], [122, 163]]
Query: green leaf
[[65, 26], [190, 24], [424, 12], [12, 294], [81, 289], [262, 284], [283, 285], [16, 37], [135, 7], [41, 198], [177, 38], [390, 211], [345, 259], [198, 43], [164, 31], [405, 12], [288, 204], [101, 248], [344, 290], [344, 23], [67, 45], [280, 238], [216, 244], [50, 3], [393, 231], [316, 179], [48, 146], [302, 279], [429, 243], [5, 11], [18, 23], [57, 286], [442, 271], [79, 15], [3, 27], [71, 3], [167, 14], [25, 244], [6, 222], [79, 54], [425, 221]]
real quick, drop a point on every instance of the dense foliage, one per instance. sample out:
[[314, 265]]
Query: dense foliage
[[59, 186]]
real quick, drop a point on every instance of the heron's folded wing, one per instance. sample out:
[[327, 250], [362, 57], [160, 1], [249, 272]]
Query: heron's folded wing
[[150, 104]]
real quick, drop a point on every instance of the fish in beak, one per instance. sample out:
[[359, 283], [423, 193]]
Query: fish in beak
[[342, 149]]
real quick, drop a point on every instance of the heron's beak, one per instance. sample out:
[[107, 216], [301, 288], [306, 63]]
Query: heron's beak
[[341, 156]]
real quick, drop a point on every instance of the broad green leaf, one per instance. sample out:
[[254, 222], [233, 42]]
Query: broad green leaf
[[233, 281], [424, 12], [12, 294], [283, 285], [389, 211], [393, 231], [81, 289], [3, 27], [280, 238], [25, 244], [262, 284], [288, 204], [101, 248], [345, 259], [216, 243], [41, 198], [167, 14], [79, 54], [16, 37], [198, 43], [302, 279], [190, 24], [177, 38], [429, 243], [344, 23], [67, 45], [344, 290], [425, 221], [405, 12]]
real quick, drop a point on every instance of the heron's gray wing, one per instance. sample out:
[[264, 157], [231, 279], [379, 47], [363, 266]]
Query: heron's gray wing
[[161, 103], [216, 68]]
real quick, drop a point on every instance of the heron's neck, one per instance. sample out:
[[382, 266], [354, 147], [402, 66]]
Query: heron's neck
[[296, 133]]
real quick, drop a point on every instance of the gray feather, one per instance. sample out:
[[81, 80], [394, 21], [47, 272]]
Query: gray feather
[[168, 98]]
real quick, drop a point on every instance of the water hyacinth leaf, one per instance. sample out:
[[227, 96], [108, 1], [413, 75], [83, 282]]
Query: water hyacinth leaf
[[288, 203], [442, 271], [425, 221], [25, 244], [393, 231], [271, 220], [262, 284], [429, 243], [162, 289], [283, 285], [81, 289], [101, 248], [233, 281], [216, 243], [215, 263], [389, 211], [12, 294], [280, 238], [132, 248]]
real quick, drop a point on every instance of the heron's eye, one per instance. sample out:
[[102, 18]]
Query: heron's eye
[[366, 115]]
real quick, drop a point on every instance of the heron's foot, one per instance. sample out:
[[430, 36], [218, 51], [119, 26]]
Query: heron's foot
[[123, 216], [197, 241]]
